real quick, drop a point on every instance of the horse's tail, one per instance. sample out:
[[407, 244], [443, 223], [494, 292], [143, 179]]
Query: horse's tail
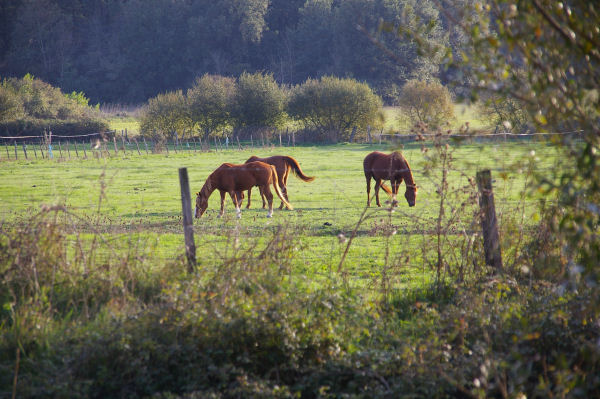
[[278, 189], [386, 189], [291, 162]]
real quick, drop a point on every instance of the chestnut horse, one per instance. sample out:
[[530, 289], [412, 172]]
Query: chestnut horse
[[234, 179], [283, 164], [392, 167]]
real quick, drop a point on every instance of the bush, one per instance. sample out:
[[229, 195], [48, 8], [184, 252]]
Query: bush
[[259, 102], [29, 106], [164, 115], [426, 102], [336, 105], [210, 101]]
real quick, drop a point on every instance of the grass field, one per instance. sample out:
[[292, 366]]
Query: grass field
[[140, 195]]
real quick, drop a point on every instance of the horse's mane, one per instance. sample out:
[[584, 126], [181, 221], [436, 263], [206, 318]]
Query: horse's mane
[[406, 171]]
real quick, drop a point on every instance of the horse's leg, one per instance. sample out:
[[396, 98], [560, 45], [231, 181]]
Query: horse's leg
[[377, 185], [283, 186], [395, 185], [222, 203], [239, 196], [265, 191], [249, 192], [236, 202], [368, 177]]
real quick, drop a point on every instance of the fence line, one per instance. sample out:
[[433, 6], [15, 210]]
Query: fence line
[[100, 147]]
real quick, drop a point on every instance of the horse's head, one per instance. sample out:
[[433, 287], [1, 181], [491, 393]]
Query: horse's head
[[201, 204], [253, 158], [411, 194]]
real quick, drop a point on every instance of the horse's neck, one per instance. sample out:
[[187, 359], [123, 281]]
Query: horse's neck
[[207, 188], [406, 172]]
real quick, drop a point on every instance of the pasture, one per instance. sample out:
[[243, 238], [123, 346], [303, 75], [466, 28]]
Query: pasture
[[95, 292], [139, 196]]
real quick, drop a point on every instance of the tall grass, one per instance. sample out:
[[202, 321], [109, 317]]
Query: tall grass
[[87, 315]]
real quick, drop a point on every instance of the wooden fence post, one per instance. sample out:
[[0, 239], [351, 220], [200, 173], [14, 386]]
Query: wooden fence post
[[115, 142], [16, 156], [188, 228], [24, 150], [137, 145], [489, 223]]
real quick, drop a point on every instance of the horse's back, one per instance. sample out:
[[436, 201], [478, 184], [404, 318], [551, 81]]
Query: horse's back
[[373, 158]]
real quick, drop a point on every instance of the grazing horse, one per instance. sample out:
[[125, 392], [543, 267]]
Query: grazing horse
[[283, 164], [234, 179], [392, 167]]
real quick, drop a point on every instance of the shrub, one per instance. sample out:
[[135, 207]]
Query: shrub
[[332, 104], [209, 102], [164, 115], [259, 101], [426, 102], [30, 105]]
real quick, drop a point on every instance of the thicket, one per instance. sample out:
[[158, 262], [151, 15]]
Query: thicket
[[427, 103], [333, 107], [28, 106], [328, 108]]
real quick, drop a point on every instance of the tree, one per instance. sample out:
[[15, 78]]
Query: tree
[[209, 103], [336, 105], [11, 105], [164, 115], [546, 55], [426, 102], [259, 101]]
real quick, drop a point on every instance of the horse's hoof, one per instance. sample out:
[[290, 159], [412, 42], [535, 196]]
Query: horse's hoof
[[239, 215], [219, 216]]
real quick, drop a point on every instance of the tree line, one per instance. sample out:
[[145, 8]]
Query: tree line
[[128, 51], [329, 107]]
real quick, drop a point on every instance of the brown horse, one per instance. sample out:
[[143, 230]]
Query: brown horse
[[234, 179], [283, 164], [392, 167]]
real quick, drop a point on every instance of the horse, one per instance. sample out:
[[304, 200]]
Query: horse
[[283, 164], [234, 179], [392, 167]]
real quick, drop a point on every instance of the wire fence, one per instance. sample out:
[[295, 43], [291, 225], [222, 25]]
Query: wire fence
[[111, 143], [413, 233]]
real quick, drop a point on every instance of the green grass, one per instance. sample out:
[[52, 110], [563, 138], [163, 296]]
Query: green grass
[[129, 123], [462, 112], [141, 195]]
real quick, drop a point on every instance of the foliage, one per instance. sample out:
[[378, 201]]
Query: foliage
[[508, 114], [335, 105], [545, 55], [31, 105], [259, 101], [130, 51], [427, 103], [210, 101], [164, 115], [119, 328]]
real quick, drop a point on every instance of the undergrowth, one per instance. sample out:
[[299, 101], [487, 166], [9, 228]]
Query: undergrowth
[[77, 323]]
